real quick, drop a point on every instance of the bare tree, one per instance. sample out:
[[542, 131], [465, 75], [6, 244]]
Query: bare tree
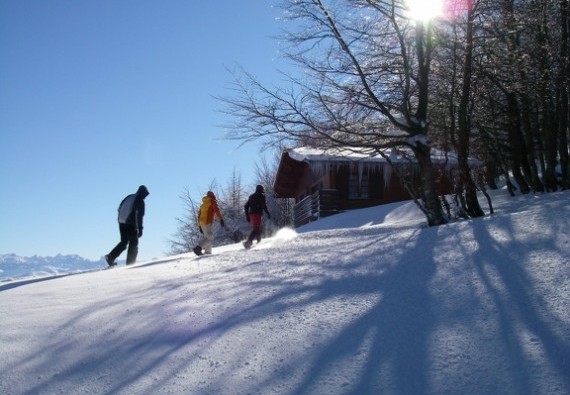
[[467, 184], [231, 204], [187, 235], [563, 92], [523, 103], [452, 106], [365, 85]]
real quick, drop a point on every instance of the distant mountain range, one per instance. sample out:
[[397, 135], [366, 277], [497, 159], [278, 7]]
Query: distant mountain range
[[14, 267]]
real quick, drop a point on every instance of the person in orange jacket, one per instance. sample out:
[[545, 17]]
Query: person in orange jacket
[[207, 214]]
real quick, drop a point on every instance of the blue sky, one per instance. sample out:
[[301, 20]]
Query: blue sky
[[98, 97]]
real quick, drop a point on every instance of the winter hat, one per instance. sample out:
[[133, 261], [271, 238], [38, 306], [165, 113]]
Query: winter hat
[[143, 191], [211, 194], [259, 188]]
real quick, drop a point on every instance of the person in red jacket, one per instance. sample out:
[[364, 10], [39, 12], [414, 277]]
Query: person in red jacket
[[254, 209], [130, 218], [207, 214]]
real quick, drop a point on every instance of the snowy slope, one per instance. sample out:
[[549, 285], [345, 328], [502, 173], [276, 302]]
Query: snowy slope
[[372, 304]]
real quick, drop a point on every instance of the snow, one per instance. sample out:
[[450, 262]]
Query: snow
[[369, 156], [367, 302]]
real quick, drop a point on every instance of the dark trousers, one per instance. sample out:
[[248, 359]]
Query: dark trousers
[[130, 238]]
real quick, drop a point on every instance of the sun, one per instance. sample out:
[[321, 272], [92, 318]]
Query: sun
[[424, 10]]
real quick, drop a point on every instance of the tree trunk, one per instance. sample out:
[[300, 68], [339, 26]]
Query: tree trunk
[[467, 185], [530, 134], [517, 144], [430, 198], [563, 87], [548, 123], [433, 209]]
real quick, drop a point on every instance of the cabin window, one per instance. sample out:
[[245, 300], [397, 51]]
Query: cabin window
[[358, 185]]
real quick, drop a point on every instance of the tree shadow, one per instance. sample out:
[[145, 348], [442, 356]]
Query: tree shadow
[[531, 340], [388, 343]]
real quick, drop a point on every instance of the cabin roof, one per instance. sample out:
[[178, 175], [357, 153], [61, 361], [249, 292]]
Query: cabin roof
[[288, 176], [310, 154]]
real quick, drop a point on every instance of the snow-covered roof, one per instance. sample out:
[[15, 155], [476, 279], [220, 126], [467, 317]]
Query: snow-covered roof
[[315, 155]]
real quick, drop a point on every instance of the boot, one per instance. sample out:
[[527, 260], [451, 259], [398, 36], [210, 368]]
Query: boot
[[110, 261], [198, 250]]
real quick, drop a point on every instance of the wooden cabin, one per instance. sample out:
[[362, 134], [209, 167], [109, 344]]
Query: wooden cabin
[[324, 182]]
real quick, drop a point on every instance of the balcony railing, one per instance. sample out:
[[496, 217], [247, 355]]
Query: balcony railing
[[320, 204]]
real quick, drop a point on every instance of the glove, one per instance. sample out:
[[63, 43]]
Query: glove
[[140, 232], [201, 231], [247, 218], [222, 222]]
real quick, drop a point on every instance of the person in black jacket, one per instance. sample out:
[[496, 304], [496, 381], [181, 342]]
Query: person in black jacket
[[254, 209], [130, 217]]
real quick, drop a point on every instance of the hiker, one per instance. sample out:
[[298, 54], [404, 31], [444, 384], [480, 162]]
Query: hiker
[[254, 209], [130, 218], [207, 214]]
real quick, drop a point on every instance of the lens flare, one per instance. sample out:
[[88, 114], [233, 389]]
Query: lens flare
[[424, 10]]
